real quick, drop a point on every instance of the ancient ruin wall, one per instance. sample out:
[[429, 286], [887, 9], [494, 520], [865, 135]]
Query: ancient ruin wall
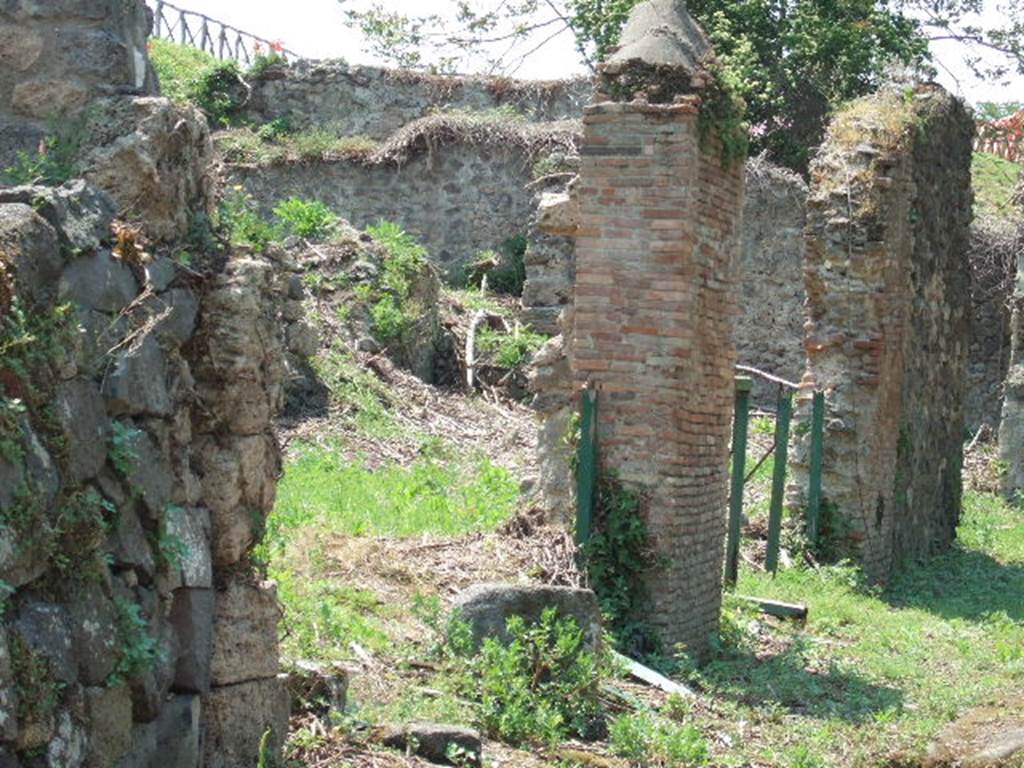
[[658, 236], [55, 57], [888, 295], [769, 327], [458, 199], [355, 100]]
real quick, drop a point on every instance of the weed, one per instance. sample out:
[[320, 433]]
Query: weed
[[57, 157], [219, 91], [178, 68], [509, 349], [11, 411], [263, 62], [171, 549], [124, 439], [306, 218], [83, 522], [265, 757], [138, 650], [617, 555], [539, 687], [388, 319], [274, 130], [239, 218], [645, 739]]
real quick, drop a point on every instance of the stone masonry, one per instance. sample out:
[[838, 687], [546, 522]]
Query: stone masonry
[[888, 296], [137, 457], [657, 240], [56, 57]]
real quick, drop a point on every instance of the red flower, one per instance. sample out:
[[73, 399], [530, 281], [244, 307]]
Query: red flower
[[277, 46]]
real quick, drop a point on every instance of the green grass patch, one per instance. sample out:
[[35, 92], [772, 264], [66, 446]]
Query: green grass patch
[[275, 142], [509, 349], [321, 487], [994, 181], [877, 671], [179, 68]]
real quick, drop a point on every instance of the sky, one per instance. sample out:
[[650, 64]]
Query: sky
[[316, 29]]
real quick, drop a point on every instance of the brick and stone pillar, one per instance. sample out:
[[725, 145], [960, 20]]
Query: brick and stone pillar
[[888, 295], [658, 235]]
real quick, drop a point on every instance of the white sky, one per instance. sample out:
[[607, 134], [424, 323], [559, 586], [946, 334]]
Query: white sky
[[316, 29]]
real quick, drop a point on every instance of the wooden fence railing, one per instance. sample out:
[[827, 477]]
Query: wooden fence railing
[[220, 40]]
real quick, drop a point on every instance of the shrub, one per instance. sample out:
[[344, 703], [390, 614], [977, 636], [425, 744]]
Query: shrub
[[646, 740], [178, 68], [405, 258], [219, 91], [306, 218], [388, 319], [540, 687]]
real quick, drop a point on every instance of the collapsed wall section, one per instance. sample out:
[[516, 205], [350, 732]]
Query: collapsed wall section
[[888, 295]]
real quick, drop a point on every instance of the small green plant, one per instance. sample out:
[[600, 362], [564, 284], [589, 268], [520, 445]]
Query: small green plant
[[124, 439], [263, 62], [509, 349], [540, 687], [647, 740], [82, 524], [388, 319], [219, 91], [275, 129], [266, 751], [240, 220], [170, 548], [616, 555], [138, 649], [55, 160], [306, 218]]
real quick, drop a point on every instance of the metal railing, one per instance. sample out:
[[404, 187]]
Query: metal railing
[[218, 39]]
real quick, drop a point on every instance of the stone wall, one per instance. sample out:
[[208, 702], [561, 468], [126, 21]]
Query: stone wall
[[55, 57], [135, 472], [655, 249], [457, 196], [993, 257], [888, 292], [372, 101], [769, 327]]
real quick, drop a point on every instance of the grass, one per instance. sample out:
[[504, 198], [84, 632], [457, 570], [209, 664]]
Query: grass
[[447, 498], [994, 181], [876, 672], [263, 146]]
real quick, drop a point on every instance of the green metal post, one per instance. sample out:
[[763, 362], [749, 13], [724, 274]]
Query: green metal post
[[739, 466], [778, 480], [817, 459], [586, 466]]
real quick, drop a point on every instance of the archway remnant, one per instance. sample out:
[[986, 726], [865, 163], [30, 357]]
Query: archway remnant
[[888, 295], [658, 235]]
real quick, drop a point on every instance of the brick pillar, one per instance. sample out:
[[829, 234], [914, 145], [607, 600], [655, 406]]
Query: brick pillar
[[658, 236], [888, 291]]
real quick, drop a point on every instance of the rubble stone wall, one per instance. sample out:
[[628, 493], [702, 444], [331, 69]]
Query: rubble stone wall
[[137, 462], [655, 251], [458, 199], [355, 100], [888, 292], [55, 57]]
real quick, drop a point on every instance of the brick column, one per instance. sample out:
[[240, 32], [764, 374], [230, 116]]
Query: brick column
[[658, 236]]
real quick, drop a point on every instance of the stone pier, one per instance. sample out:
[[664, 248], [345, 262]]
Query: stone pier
[[658, 234], [888, 294]]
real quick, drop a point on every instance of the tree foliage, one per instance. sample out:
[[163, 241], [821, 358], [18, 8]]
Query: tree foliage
[[793, 60]]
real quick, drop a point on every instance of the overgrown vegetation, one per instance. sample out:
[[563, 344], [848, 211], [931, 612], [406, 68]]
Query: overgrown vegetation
[[138, 650], [510, 349], [504, 269], [306, 218], [994, 181], [393, 310], [540, 687], [649, 740], [277, 142], [616, 557]]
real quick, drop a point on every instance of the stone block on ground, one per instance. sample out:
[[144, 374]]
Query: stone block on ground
[[235, 717], [436, 742], [320, 687], [487, 608]]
